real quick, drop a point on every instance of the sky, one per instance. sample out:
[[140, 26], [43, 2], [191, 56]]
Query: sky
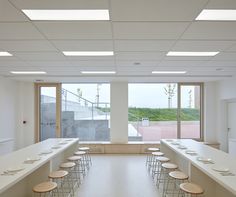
[[140, 95]]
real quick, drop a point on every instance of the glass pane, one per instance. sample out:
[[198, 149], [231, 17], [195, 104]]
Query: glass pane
[[47, 112], [86, 111], [152, 111], [190, 111]]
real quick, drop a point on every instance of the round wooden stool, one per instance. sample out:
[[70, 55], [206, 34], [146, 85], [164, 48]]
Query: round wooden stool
[[191, 188], [85, 162], [174, 179], [152, 164], [157, 165], [71, 180], [149, 156], [45, 188], [166, 167], [77, 169], [59, 178], [87, 156]]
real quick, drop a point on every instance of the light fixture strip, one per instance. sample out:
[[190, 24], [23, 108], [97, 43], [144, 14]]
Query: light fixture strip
[[217, 15], [67, 15], [191, 53], [5, 54], [28, 72], [88, 53]]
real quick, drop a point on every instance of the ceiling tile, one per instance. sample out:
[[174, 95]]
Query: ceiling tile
[[16, 31], [225, 56], [9, 13], [221, 4], [39, 56], [156, 10], [211, 30], [221, 64], [142, 64], [201, 45], [83, 45], [26, 45], [61, 4], [143, 45], [75, 30], [148, 30], [140, 55], [176, 64]]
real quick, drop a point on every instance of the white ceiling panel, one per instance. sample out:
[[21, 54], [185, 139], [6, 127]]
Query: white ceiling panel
[[221, 4], [94, 64], [83, 45], [148, 30], [9, 13], [201, 45], [75, 30], [55, 64], [40, 56], [143, 45], [16, 31], [140, 55], [26, 45], [225, 56], [211, 30], [156, 10], [221, 64], [133, 64], [232, 48], [176, 64], [61, 4]]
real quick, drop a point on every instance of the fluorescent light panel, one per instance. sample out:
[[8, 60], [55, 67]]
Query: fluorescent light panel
[[217, 15], [88, 53], [4, 53], [28, 72], [98, 72], [169, 72], [67, 15], [186, 53]]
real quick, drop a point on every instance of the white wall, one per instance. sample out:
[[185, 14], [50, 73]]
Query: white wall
[[119, 112], [16, 105]]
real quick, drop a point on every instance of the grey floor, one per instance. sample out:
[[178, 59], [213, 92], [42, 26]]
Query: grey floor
[[118, 176]]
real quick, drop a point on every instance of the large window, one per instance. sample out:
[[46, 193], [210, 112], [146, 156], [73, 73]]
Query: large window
[[86, 111], [164, 110]]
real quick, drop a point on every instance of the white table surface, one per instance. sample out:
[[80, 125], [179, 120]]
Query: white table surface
[[17, 158], [220, 158]]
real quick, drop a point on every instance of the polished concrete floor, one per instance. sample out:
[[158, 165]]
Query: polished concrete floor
[[118, 176]]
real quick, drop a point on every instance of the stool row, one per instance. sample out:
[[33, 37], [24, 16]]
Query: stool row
[[67, 179], [170, 180]]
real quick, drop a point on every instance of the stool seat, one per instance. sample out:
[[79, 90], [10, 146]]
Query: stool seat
[[45, 187], [157, 153], [169, 165], [80, 153], [191, 188], [74, 158], [67, 165], [162, 159], [153, 149], [178, 175], [58, 174], [84, 148]]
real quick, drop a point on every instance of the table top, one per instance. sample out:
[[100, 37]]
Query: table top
[[17, 158], [219, 158]]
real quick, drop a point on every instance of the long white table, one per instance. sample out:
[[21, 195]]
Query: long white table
[[214, 184], [21, 183]]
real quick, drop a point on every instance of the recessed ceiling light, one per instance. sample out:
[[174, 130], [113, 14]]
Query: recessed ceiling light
[[4, 53], [169, 72], [67, 15], [88, 53], [187, 53], [28, 72], [217, 15], [98, 72]]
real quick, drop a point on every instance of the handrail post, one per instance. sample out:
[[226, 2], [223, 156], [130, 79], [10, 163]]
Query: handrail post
[[92, 111]]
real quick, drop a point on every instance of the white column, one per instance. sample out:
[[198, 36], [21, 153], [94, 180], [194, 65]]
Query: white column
[[119, 112]]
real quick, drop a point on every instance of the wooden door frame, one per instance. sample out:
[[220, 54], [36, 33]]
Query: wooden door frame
[[37, 87]]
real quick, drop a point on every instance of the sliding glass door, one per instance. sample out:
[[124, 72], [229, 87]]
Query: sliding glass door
[[48, 111], [190, 111]]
